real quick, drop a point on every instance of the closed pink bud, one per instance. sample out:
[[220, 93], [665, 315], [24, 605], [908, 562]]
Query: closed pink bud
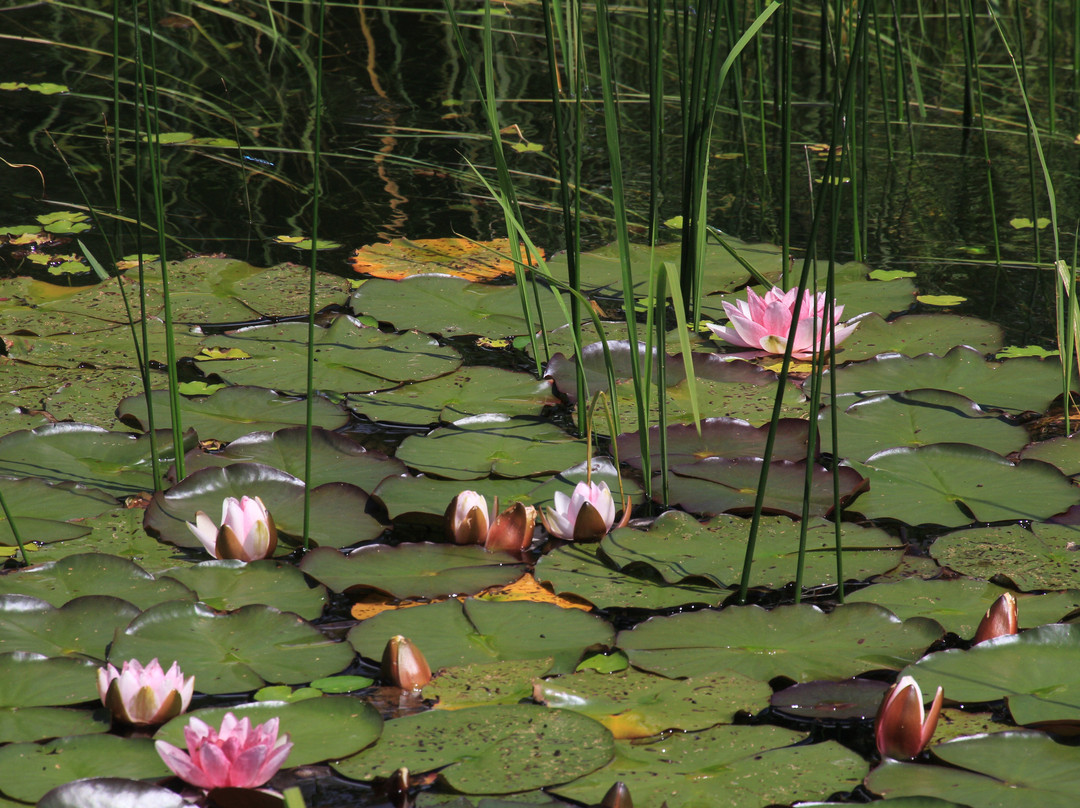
[[1000, 619], [467, 518], [903, 728], [512, 530], [403, 665]]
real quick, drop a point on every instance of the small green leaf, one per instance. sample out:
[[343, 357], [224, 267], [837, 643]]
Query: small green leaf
[[941, 300]]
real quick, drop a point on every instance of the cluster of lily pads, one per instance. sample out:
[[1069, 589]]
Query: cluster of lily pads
[[562, 662]]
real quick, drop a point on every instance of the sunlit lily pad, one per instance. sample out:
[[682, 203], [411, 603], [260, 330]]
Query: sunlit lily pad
[[1017, 384], [338, 510], [234, 412], [41, 511], [917, 418], [456, 633], [231, 652], [916, 334], [86, 395], [350, 357], [799, 641], [634, 704], [1063, 452], [319, 728], [228, 585], [1042, 557], [953, 484], [736, 767], [26, 724], [413, 570], [110, 792], [117, 462], [334, 457], [448, 306], [480, 445], [30, 770], [576, 569], [460, 257], [680, 548], [93, 574], [36, 680], [1000, 770], [719, 484], [487, 750], [468, 391], [960, 604], [719, 437], [485, 683], [81, 627]]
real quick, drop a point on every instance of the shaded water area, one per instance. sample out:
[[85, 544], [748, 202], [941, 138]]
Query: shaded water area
[[630, 659]]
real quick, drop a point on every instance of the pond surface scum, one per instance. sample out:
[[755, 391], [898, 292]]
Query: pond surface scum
[[468, 579]]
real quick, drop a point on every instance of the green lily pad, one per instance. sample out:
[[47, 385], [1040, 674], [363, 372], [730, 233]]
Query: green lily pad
[[319, 728], [798, 641], [231, 652], [1016, 384], [960, 604], [29, 724], [576, 569], [954, 484], [487, 750], [413, 570], [82, 627], [439, 304], [468, 391], [228, 585], [735, 767], [334, 457], [847, 700], [1043, 557], [233, 412], [1061, 452], [680, 548], [718, 484], [87, 395], [1000, 770], [485, 683], [338, 510], [462, 633], [36, 680], [117, 462], [41, 510], [917, 418], [480, 445], [601, 269], [110, 792], [29, 770], [634, 704], [93, 574], [718, 437], [915, 334], [349, 357]]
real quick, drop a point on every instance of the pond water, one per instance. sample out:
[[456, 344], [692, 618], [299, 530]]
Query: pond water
[[623, 667]]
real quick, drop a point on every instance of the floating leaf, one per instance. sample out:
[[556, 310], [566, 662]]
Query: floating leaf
[[487, 750], [799, 641], [82, 627], [229, 585], [110, 792], [460, 257], [36, 680], [485, 683], [718, 437], [941, 300], [81, 574], [412, 570], [231, 652], [42, 510], [456, 633], [954, 484]]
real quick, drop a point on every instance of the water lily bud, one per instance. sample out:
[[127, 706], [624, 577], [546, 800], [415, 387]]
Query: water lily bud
[[144, 696], [237, 756], [587, 514], [403, 665], [902, 728], [764, 323], [1000, 619], [512, 530], [467, 518], [397, 788], [618, 796], [247, 531]]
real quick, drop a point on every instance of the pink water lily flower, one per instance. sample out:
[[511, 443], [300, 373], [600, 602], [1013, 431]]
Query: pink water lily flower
[[247, 530], [237, 756], [467, 518], [588, 513], [763, 323], [903, 727], [144, 696]]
